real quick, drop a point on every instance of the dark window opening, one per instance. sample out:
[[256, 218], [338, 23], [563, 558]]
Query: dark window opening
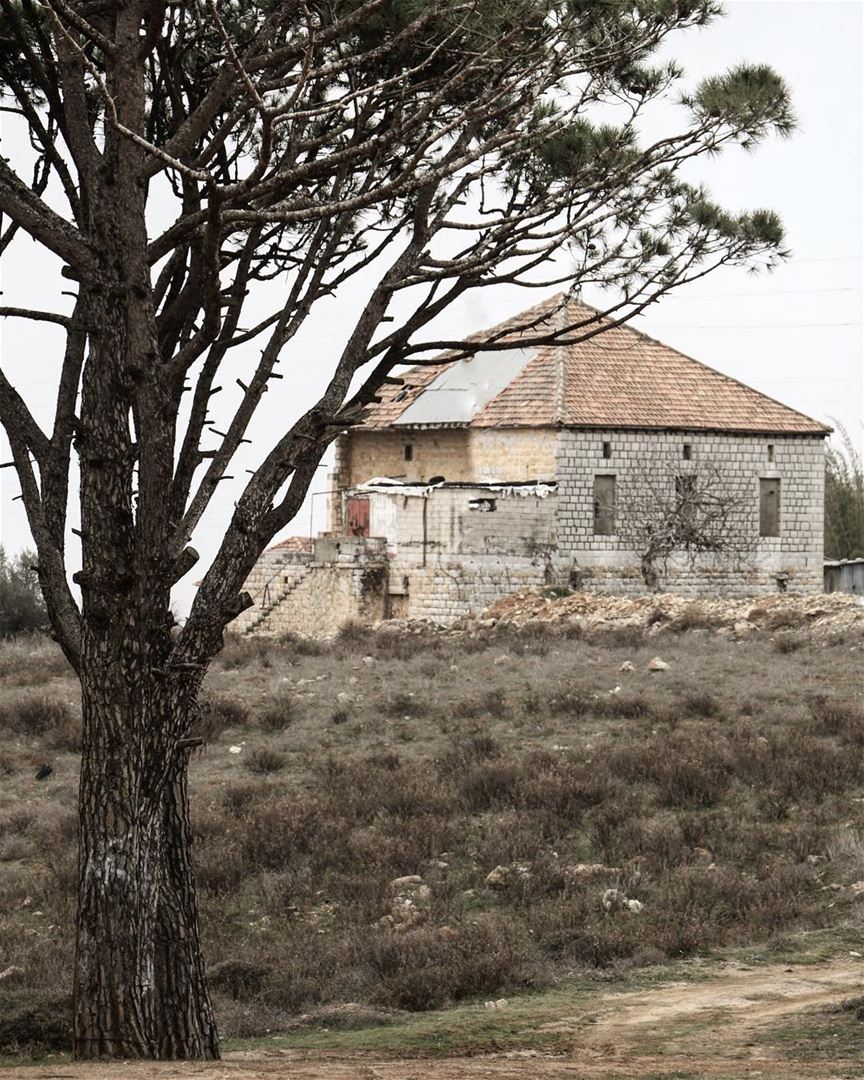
[[409, 452], [484, 506], [769, 507], [770, 452], [687, 451], [607, 449], [604, 505]]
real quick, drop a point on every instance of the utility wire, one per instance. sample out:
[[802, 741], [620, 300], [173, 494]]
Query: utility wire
[[751, 326], [758, 296]]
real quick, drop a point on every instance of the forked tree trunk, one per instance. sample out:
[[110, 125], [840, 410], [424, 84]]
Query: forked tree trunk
[[140, 989]]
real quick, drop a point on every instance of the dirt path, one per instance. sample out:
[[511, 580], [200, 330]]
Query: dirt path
[[685, 1029]]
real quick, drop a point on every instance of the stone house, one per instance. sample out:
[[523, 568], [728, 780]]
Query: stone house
[[533, 467]]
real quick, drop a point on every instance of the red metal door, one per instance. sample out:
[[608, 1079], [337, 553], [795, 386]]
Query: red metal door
[[358, 517]]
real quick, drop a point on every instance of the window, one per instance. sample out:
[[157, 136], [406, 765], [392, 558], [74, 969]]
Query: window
[[687, 451], [484, 506], [409, 452], [770, 452], [769, 507], [607, 449], [604, 505]]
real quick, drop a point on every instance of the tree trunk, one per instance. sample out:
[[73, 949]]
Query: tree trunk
[[140, 989]]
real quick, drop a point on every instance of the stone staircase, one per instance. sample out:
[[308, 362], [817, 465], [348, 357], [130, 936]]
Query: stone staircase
[[277, 590]]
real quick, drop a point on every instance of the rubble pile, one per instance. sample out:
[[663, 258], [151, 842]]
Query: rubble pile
[[822, 614], [826, 615]]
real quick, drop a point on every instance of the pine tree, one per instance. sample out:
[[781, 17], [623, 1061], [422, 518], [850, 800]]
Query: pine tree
[[183, 155]]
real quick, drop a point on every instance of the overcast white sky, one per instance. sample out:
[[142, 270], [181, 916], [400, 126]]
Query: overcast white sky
[[795, 334]]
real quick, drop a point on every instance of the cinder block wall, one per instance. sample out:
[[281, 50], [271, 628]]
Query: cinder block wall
[[611, 563]]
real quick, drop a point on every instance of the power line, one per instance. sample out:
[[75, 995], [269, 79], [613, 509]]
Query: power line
[[758, 296], [751, 326], [831, 258]]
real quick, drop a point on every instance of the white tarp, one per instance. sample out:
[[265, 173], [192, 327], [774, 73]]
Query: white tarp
[[383, 485]]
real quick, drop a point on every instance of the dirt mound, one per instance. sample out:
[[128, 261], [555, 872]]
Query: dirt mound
[[822, 615]]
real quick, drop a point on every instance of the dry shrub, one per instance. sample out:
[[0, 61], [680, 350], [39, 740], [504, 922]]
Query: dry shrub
[[792, 763], [839, 718], [298, 645], [247, 652], [399, 646], [218, 713], [264, 760], [275, 714], [565, 786], [55, 720], [789, 643], [624, 707], [694, 617], [687, 769], [532, 639], [294, 869], [404, 704], [489, 785], [702, 704], [31, 659], [354, 637], [239, 978], [34, 1022], [418, 970]]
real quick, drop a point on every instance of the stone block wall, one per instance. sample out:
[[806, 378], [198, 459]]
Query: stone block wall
[[448, 588], [792, 560], [345, 580], [440, 558], [267, 577]]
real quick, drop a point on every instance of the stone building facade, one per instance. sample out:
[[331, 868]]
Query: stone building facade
[[481, 477]]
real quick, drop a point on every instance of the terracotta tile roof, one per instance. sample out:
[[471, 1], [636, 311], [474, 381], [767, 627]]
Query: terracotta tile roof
[[293, 543], [620, 378]]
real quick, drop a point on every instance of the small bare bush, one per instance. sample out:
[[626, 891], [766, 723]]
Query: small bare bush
[[37, 715], [404, 704], [275, 714], [265, 760], [702, 704], [789, 643], [34, 1022], [830, 716]]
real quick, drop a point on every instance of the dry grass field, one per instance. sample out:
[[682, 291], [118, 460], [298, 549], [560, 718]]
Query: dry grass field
[[636, 825]]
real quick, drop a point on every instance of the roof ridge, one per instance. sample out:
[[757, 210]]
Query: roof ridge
[[713, 370], [612, 379]]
